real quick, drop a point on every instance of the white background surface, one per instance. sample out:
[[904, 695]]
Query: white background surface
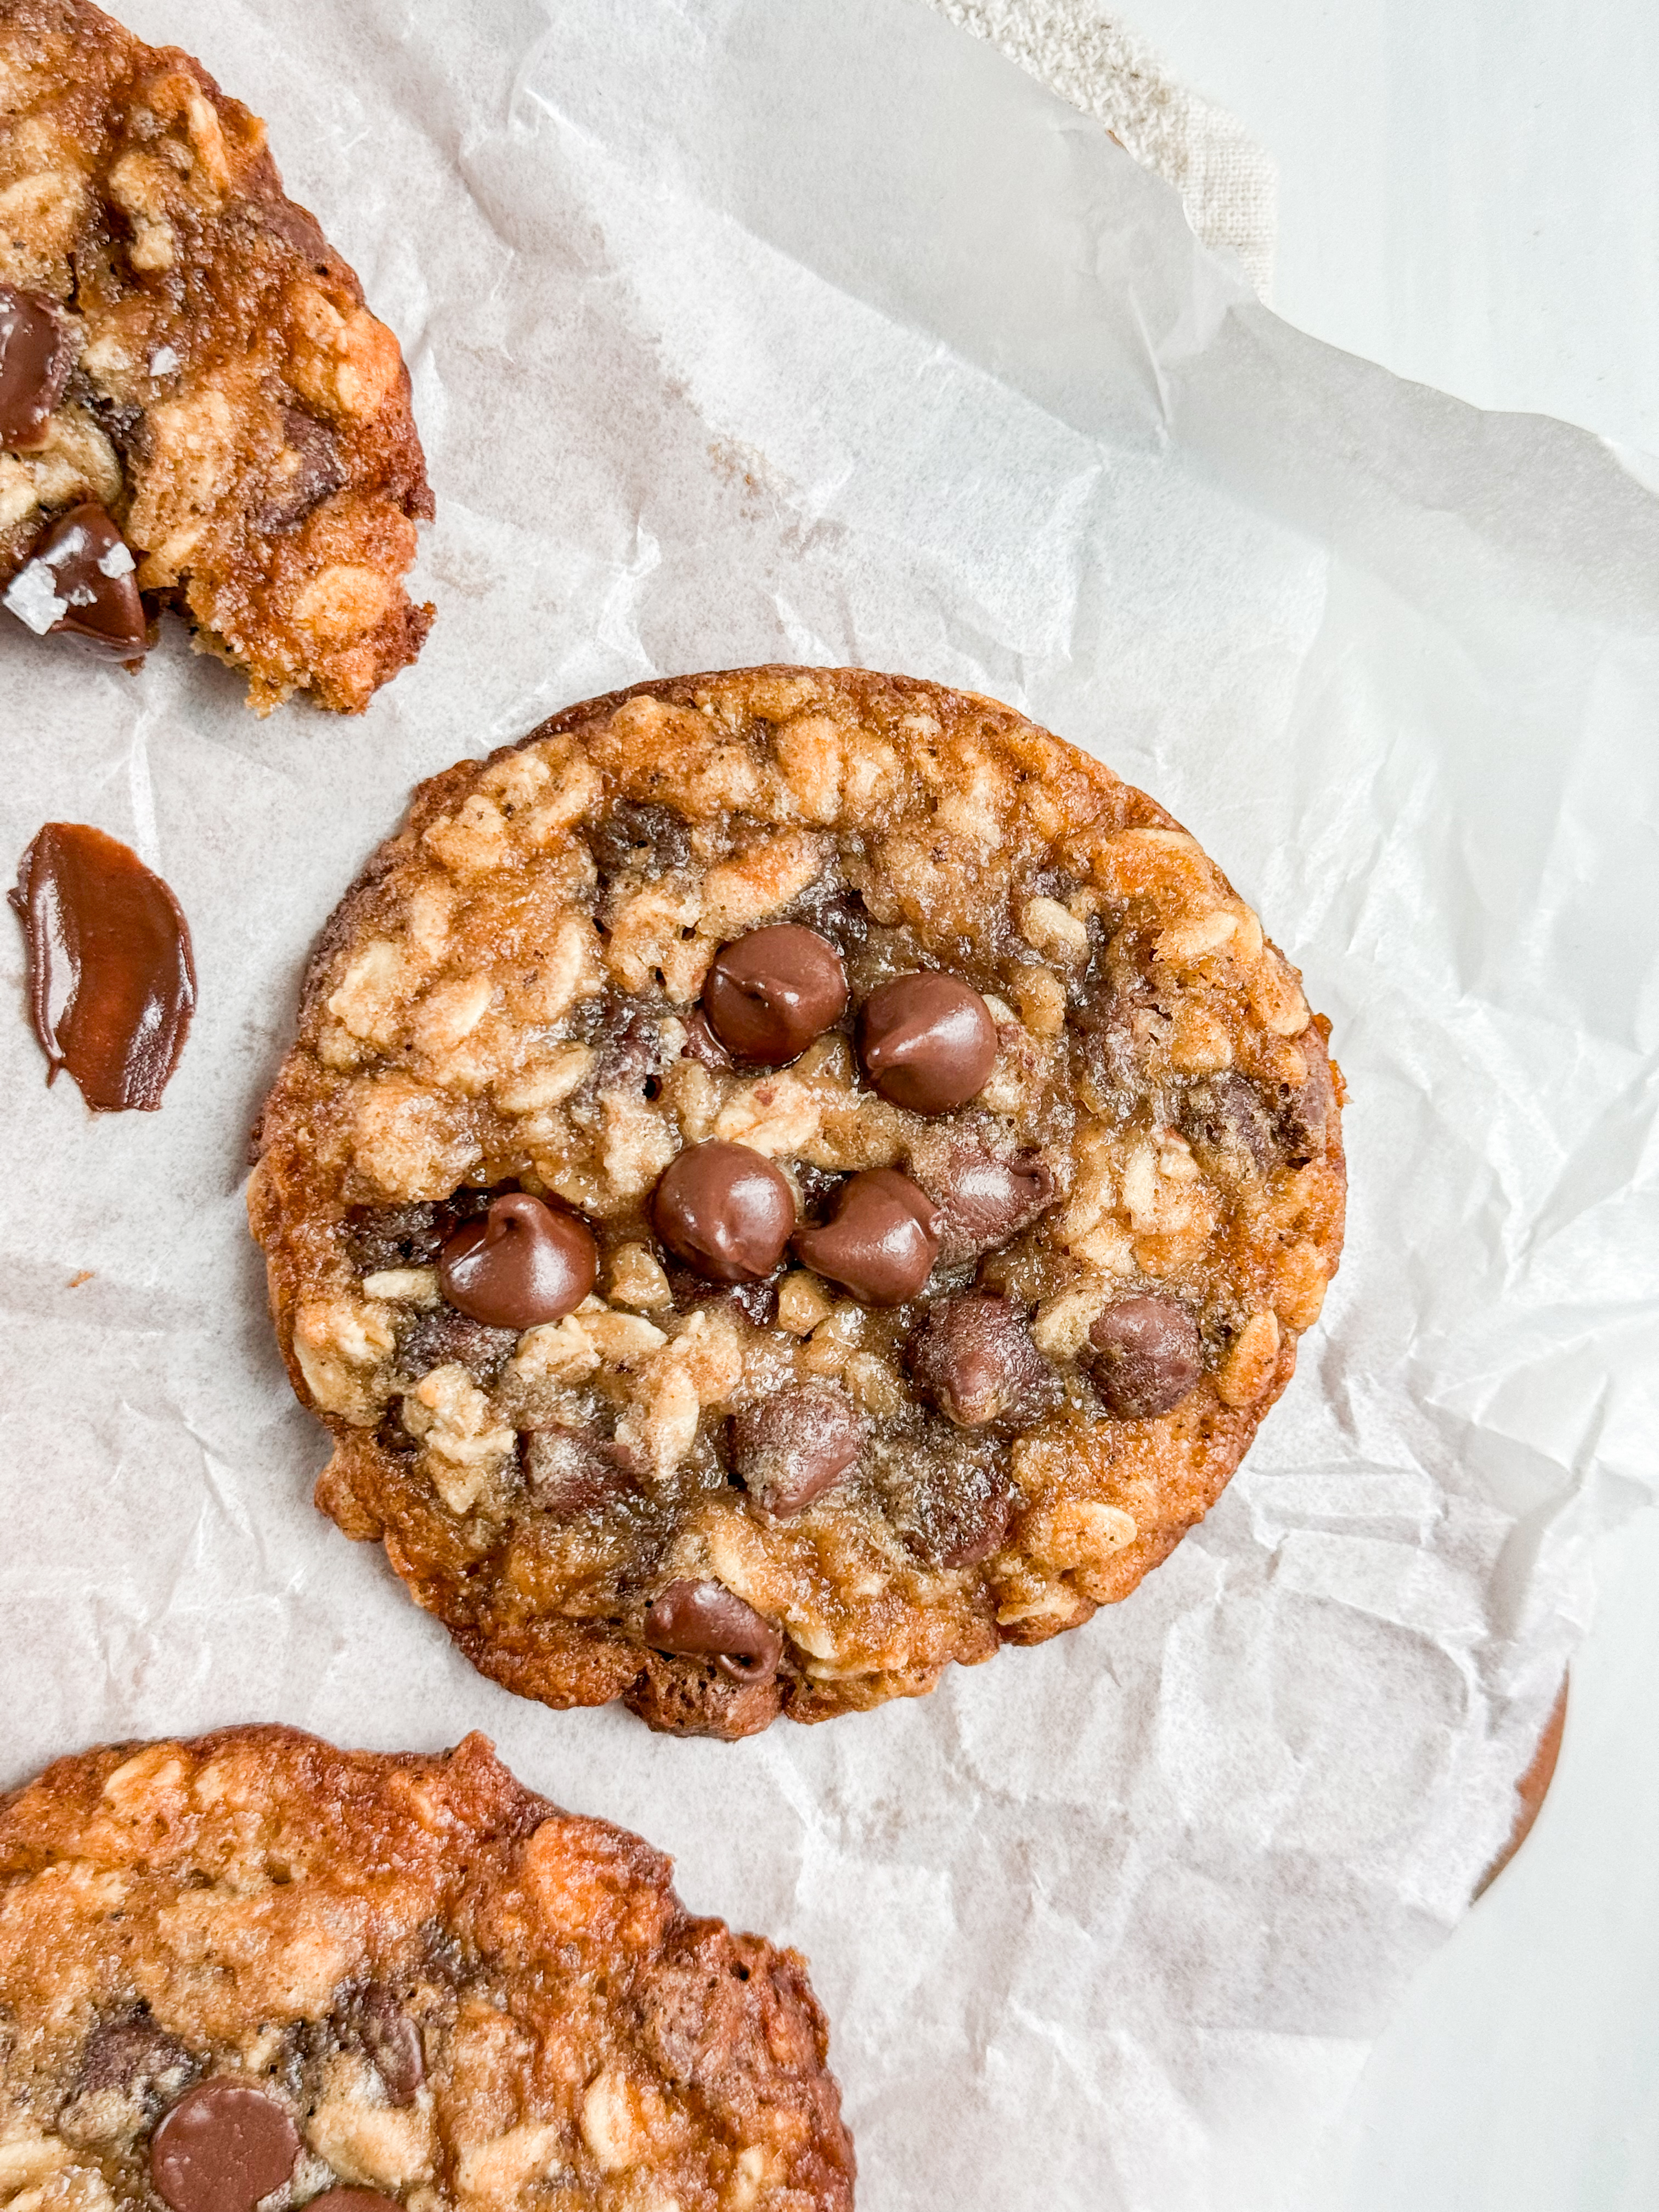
[[1468, 189], [240, 1603], [1469, 194]]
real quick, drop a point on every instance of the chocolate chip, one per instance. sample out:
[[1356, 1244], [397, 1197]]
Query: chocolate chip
[[1223, 1120], [705, 1620], [983, 1201], [770, 993], [37, 353], [790, 1448], [378, 1237], [974, 1358], [78, 582], [927, 1040], [952, 1500], [646, 840], [523, 1264], [569, 1473], [222, 2148], [439, 1336], [308, 470], [1305, 1109], [1145, 1355], [390, 2040], [701, 1044], [726, 1211], [883, 1241]]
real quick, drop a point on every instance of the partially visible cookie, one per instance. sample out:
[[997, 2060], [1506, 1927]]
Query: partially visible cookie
[[197, 409], [253, 1969], [787, 1179]]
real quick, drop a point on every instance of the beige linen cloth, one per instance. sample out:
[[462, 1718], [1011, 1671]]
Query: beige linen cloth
[[1227, 184]]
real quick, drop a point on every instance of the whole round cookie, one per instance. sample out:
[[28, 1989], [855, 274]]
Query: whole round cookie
[[253, 1969], [789, 1178]]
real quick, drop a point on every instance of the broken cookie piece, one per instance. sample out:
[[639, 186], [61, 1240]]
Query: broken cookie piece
[[283, 1975], [198, 412]]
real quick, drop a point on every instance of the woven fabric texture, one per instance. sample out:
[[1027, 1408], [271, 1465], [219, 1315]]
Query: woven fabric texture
[[1227, 183]]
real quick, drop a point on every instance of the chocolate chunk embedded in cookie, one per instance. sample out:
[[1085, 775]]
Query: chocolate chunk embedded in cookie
[[197, 409], [251, 1969], [961, 1164]]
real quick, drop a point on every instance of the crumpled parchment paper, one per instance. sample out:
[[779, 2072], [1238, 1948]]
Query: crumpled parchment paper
[[743, 332]]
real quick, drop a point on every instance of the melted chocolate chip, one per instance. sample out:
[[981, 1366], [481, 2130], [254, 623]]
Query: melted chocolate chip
[[883, 1241], [390, 2040], [132, 2057], [523, 1264], [439, 1336], [1223, 1120], [647, 840], [378, 1237], [726, 1211], [954, 1500], [308, 470], [974, 1358], [568, 1473], [1108, 1053], [629, 1048], [132, 980], [37, 353], [222, 2148], [78, 582], [790, 1448], [1305, 1109], [1145, 1355], [769, 993], [701, 1044], [693, 2011], [834, 911], [983, 1201], [705, 1620], [927, 1040], [297, 227]]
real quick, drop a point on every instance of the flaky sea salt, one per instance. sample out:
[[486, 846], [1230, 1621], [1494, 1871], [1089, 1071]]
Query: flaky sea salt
[[118, 562], [32, 596], [163, 362]]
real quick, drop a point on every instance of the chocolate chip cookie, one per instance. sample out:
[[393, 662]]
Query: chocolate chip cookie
[[254, 1970], [789, 1178], [197, 409]]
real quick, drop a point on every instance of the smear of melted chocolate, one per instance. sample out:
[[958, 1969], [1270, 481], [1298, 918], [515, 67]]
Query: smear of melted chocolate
[[123, 941]]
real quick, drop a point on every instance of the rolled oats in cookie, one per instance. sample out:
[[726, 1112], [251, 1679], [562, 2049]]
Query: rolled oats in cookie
[[962, 1165], [251, 1970], [198, 411]]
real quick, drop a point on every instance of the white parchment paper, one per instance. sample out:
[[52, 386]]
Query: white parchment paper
[[742, 331]]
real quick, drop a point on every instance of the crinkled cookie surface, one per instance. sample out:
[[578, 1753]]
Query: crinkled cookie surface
[[251, 1968], [197, 409], [789, 1178]]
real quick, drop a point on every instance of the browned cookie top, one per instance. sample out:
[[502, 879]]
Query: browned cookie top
[[197, 409], [789, 1178], [253, 1969]]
